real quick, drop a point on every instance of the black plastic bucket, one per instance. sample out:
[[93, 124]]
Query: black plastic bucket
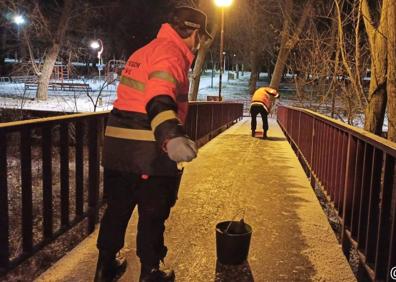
[[233, 241]]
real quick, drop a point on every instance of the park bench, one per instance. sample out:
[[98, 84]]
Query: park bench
[[24, 79], [4, 79], [61, 86]]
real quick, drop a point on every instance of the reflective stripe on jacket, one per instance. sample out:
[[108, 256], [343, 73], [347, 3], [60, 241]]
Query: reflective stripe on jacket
[[151, 106], [263, 97]]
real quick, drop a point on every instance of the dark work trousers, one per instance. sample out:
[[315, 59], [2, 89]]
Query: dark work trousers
[[254, 111], [154, 198]]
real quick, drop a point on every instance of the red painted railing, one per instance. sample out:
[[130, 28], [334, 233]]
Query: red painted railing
[[356, 170]]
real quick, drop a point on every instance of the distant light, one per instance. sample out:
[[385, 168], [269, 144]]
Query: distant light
[[19, 20], [95, 45], [223, 3]]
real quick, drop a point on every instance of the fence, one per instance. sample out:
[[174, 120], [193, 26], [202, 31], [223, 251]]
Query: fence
[[61, 155], [356, 170]]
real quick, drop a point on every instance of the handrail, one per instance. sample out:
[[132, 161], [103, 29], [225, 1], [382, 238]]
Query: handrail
[[369, 137], [15, 125], [356, 170]]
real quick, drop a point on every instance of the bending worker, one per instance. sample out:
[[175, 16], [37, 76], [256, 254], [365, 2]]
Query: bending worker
[[144, 142], [262, 101]]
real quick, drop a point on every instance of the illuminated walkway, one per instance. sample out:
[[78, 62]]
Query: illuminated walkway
[[291, 239]]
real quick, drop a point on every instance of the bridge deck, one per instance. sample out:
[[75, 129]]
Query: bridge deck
[[292, 239]]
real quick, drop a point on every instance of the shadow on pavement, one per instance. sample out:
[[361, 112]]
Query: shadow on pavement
[[269, 138], [240, 273]]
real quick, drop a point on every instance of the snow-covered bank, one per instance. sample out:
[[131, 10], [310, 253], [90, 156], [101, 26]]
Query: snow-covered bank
[[14, 95]]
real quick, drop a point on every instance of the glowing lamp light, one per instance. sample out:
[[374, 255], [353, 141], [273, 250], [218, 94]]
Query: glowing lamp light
[[19, 20], [95, 45], [223, 3]]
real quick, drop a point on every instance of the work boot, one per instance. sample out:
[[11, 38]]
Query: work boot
[[110, 267], [253, 133], [265, 134], [156, 275]]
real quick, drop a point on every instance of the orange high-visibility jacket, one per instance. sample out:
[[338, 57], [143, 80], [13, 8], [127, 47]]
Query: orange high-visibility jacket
[[262, 97], [151, 107]]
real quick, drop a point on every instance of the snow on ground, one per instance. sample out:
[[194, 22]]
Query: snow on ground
[[14, 95]]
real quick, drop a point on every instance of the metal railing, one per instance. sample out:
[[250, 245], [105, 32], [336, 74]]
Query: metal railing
[[206, 119], [356, 170], [54, 163], [36, 157]]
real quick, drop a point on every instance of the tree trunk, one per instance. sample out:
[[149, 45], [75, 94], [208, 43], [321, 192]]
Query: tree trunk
[[45, 76], [50, 59], [199, 62], [288, 40], [279, 67], [196, 75], [391, 72], [254, 72], [375, 110]]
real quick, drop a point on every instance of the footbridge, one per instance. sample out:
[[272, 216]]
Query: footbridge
[[319, 195]]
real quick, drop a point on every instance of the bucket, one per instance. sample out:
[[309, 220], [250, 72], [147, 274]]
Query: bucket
[[233, 241]]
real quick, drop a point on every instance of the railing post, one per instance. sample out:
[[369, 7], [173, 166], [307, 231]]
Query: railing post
[[365, 188], [47, 181], [64, 156], [357, 189], [211, 120], [392, 244], [4, 220], [384, 231], [373, 220], [299, 129], [27, 205], [312, 156], [348, 193], [93, 172], [79, 168], [196, 121]]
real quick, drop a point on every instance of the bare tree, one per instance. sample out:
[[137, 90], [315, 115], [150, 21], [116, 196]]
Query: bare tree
[[199, 63], [206, 43], [391, 71], [251, 34], [376, 28], [57, 40], [290, 35]]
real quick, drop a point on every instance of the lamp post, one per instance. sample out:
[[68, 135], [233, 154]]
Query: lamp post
[[222, 4], [19, 20], [98, 45]]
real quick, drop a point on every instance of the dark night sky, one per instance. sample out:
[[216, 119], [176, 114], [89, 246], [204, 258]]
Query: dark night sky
[[133, 23]]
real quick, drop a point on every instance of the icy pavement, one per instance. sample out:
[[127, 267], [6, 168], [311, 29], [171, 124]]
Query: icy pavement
[[291, 241]]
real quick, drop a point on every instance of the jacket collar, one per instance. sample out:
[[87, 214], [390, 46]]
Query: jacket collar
[[169, 33]]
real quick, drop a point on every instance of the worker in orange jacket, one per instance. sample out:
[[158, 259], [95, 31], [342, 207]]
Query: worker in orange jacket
[[262, 101], [144, 142]]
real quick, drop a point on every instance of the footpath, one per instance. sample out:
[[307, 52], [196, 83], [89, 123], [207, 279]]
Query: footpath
[[291, 241]]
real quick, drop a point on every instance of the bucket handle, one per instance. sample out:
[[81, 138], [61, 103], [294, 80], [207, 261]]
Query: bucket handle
[[241, 211]]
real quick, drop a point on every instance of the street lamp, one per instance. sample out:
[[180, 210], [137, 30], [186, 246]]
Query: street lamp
[[19, 20], [222, 4], [98, 45]]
